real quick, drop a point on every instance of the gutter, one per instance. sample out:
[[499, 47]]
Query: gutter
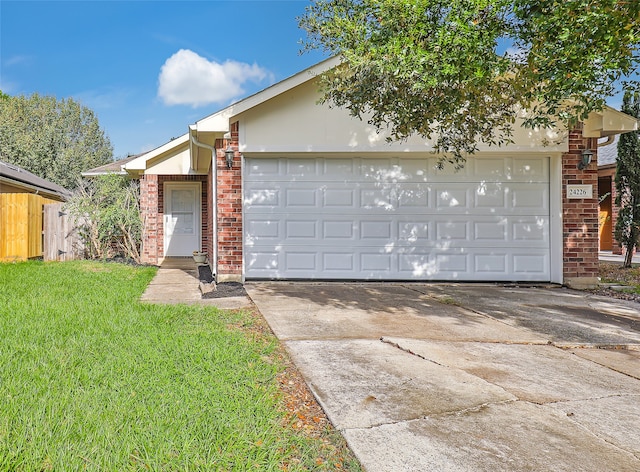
[[214, 193], [609, 140], [52, 194]]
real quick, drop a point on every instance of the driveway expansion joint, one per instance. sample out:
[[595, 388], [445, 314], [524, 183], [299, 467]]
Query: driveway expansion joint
[[408, 351], [440, 414], [603, 346]]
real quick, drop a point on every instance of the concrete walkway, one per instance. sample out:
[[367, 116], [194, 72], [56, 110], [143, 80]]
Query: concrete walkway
[[475, 377], [177, 282], [609, 256]]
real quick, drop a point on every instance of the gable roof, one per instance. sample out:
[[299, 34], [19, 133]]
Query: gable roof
[[31, 183], [606, 122], [218, 122]]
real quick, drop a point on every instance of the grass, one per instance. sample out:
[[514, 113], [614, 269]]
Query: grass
[[613, 273], [91, 379]]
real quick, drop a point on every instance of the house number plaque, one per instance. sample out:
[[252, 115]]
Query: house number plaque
[[579, 191]]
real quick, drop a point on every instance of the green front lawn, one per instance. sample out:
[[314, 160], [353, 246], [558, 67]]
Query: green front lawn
[[613, 273], [91, 379]]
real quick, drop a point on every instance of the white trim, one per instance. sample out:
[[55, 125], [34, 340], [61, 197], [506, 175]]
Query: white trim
[[197, 212], [608, 122], [556, 263], [141, 163]]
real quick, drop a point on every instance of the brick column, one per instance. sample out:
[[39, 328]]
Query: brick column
[[152, 220], [229, 202], [580, 216]]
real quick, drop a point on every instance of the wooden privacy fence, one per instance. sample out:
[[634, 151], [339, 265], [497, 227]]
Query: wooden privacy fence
[[21, 225], [33, 226], [61, 239]]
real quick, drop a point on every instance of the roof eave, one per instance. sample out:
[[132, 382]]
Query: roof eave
[[608, 122]]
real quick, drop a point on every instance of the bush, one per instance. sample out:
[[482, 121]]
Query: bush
[[106, 211]]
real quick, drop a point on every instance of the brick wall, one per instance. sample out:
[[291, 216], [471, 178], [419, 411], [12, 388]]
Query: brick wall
[[152, 209], [150, 215], [229, 198], [580, 217]]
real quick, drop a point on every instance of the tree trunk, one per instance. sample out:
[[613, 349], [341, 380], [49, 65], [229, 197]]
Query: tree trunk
[[628, 256]]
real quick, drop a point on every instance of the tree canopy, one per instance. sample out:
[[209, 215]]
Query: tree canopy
[[627, 228], [458, 71], [54, 139]]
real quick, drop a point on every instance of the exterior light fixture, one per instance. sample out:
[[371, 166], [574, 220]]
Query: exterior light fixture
[[228, 154], [587, 154]]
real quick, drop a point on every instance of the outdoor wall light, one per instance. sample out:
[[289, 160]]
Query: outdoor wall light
[[587, 154], [228, 154]]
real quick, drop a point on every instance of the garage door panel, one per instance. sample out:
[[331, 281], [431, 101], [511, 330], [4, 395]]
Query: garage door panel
[[414, 195], [529, 265], [338, 231], [531, 230], [263, 169], [397, 170], [297, 197], [447, 198], [301, 229], [296, 167], [338, 262], [373, 264], [534, 196], [262, 197], [491, 264], [301, 260], [526, 169], [450, 198], [339, 198], [491, 230], [379, 231], [397, 219]]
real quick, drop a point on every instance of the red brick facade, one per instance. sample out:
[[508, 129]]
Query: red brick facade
[[229, 190], [152, 209], [579, 216]]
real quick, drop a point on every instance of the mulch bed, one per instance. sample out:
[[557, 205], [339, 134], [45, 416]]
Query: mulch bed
[[227, 289], [607, 292], [610, 271], [224, 289]]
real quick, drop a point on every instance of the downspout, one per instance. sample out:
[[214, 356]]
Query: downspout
[[214, 199], [608, 141]]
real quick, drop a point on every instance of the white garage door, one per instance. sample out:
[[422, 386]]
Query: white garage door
[[397, 219]]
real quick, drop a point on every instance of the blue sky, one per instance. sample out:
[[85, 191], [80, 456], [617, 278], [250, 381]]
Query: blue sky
[[149, 68]]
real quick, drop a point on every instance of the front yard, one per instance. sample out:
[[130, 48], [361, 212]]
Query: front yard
[[91, 379], [628, 281]]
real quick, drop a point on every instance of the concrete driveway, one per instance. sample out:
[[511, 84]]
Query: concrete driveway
[[468, 377]]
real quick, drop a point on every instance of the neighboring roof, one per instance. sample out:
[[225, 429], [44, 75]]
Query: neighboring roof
[[608, 154], [19, 177], [115, 167]]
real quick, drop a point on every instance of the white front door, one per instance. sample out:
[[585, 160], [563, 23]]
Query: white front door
[[182, 218]]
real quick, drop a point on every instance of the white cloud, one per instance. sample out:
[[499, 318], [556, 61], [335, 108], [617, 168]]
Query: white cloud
[[18, 60], [189, 79]]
